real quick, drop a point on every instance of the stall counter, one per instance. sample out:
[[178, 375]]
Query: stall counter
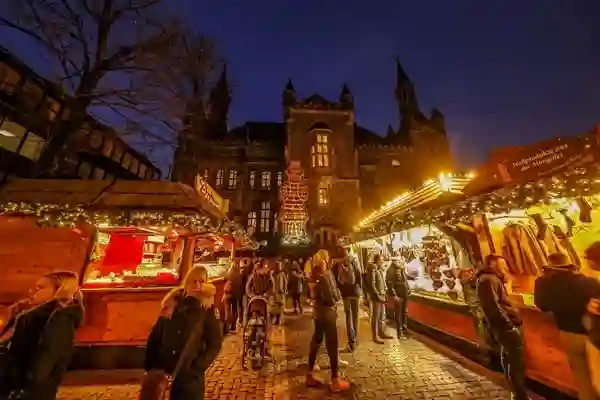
[[453, 325]]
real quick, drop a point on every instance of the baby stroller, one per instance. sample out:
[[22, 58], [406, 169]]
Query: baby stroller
[[255, 332]]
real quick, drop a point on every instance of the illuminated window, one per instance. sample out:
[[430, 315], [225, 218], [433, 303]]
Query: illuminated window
[[232, 179], [126, 161], [395, 163], [275, 223], [252, 219], [135, 164], [323, 195], [252, 179], [142, 171], [279, 178], [118, 154], [265, 216], [205, 174], [32, 146], [108, 147], [265, 179], [320, 151], [220, 176], [11, 135]]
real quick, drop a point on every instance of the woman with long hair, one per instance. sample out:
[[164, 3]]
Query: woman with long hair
[[326, 297], [42, 341], [186, 311]]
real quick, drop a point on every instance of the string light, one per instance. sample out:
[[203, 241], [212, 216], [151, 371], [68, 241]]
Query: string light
[[65, 215], [574, 183], [294, 213]]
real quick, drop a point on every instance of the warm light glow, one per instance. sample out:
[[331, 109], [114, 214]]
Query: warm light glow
[[447, 182]]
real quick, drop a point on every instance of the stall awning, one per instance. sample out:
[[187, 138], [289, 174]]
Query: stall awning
[[445, 187]]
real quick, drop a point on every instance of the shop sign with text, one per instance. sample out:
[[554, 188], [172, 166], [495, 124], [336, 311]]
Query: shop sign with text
[[548, 158], [207, 193]]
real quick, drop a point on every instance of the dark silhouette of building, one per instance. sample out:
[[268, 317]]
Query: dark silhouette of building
[[350, 170], [30, 104]]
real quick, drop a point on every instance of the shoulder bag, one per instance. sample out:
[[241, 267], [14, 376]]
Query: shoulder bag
[[156, 384]]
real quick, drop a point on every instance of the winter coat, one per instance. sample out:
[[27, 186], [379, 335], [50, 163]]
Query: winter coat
[[295, 279], [568, 311], [500, 314], [235, 285], [41, 348], [327, 295], [397, 281], [168, 338], [349, 290], [376, 287]]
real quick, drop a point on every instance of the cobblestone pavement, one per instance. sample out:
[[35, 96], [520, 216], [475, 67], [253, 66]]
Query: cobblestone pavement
[[405, 369]]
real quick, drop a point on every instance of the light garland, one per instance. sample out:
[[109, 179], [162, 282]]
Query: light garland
[[431, 189], [574, 183], [294, 213]]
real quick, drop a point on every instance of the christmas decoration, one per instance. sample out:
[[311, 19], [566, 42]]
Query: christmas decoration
[[574, 183], [65, 215], [293, 213]]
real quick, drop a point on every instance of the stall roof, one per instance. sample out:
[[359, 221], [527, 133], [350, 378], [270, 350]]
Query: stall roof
[[96, 194]]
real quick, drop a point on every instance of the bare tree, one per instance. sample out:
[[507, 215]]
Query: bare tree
[[104, 50], [177, 91]]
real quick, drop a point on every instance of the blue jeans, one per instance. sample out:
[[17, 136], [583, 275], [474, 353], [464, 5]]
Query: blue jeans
[[351, 311]]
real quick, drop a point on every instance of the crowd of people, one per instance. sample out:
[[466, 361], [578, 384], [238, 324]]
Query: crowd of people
[[38, 338]]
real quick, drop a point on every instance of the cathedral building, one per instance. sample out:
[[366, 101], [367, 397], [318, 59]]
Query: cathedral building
[[349, 169]]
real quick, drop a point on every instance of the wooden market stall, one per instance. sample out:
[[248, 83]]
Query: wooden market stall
[[129, 241], [535, 201]]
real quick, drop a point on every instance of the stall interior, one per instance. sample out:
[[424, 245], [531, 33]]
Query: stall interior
[[526, 237], [432, 260], [134, 256], [213, 253]]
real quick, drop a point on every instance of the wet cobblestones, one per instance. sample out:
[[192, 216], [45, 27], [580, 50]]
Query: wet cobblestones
[[405, 369]]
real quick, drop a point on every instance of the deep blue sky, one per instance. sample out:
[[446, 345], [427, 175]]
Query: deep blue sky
[[503, 72]]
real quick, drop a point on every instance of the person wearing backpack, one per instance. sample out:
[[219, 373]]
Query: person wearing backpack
[[399, 292], [349, 281]]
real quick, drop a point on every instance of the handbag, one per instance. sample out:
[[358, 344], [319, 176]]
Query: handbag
[[156, 384]]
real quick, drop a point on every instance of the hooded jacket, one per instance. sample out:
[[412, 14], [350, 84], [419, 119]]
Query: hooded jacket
[[348, 289], [41, 348], [568, 310], [500, 313]]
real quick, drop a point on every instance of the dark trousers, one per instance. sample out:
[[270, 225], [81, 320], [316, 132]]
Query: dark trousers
[[325, 328], [188, 388], [377, 316], [513, 360], [231, 313], [296, 303], [351, 311], [401, 315]]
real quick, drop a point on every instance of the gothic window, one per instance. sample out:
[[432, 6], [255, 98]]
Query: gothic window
[[275, 224], [279, 178], [252, 179], [320, 151], [232, 178], [265, 216], [265, 179], [323, 195], [220, 176], [205, 175], [252, 220]]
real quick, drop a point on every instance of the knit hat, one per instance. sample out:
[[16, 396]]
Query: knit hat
[[593, 252]]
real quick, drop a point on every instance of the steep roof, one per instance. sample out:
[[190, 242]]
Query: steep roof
[[254, 131], [365, 136]]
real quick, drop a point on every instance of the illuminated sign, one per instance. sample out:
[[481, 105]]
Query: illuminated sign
[[206, 192]]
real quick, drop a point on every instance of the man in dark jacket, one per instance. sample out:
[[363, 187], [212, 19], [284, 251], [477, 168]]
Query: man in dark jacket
[[349, 281], [504, 322], [168, 339], [376, 291], [563, 277], [398, 290]]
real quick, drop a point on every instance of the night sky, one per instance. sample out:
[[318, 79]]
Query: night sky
[[503, 72]]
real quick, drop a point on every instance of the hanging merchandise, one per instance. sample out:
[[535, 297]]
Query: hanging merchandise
[[585, 210], [522, 250]]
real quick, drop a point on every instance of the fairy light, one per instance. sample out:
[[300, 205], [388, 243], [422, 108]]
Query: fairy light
[[70, 216]]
